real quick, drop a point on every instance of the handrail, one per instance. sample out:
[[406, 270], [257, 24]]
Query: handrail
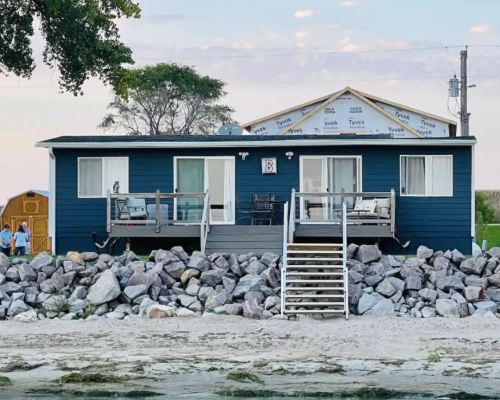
[[354, 194], [153, 195], [291, 224], [205, 222], [344, 259], [284, 260]]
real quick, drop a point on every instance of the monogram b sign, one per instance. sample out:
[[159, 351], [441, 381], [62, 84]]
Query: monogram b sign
[[269, 166]]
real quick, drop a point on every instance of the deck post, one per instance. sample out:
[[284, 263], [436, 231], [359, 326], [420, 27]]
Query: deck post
[[157, 210], [342, 201], [108, 211], [393, 210]]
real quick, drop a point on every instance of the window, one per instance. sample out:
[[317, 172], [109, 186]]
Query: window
[[96, 175], [426, 176]]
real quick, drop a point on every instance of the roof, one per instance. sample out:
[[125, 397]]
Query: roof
[[40, 192], [332, 96], [214, 141]]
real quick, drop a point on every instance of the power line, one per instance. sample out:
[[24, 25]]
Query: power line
[[274, 82]]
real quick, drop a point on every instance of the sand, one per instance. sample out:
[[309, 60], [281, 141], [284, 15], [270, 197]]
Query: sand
[[192, 356]]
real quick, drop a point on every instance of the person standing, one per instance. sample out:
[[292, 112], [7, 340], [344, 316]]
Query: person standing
[[28, 242], [21, 239], [6, 237]]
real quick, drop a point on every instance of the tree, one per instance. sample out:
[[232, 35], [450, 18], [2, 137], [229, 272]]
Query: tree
[[81, 39], [484, 216], [168, 99]]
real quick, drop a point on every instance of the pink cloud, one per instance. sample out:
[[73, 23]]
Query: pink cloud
[[302, 34], [305, 14], [218, 40], [350, 48], [349, 3], [480, 28], [244, 46]]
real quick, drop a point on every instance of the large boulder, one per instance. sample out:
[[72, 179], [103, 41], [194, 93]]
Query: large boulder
[[447, 308], [105, 289], [494, 280], [382, 308], [456, 257], [156, 311], [255, 268], [133, 292], [366, 303], [450, 282], [12, 275], [252, 310], [175, 269], [473, 266], [40, 261], [17, 307], [424, 253], [4, 263], [473, 293], [27, 273], [10, 287], [368, 253], [27, 316], [139, 277], [428, 295], [200, 263], [386, 289], [75, 257], [179, 252], [212, 277]]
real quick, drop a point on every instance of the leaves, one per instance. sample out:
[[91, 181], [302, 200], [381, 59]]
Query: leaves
[[168, 99], [82, 40]]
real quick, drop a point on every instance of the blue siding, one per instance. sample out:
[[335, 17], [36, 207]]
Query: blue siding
[[438, 222]]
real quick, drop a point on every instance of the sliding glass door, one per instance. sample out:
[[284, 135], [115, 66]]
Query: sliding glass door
[[328, 174], [199, 174]]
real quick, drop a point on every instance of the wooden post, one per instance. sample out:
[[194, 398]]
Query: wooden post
[[157, 211], [393, 210], [342, 199], [108, 211], [209, 212]]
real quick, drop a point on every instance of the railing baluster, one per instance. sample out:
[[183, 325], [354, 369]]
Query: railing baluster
[[108, 211], [344, 259], [158, 211], [284, 260]]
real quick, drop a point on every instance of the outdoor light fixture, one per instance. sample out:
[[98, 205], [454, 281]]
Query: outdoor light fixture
[[289, 154], [243, 155]]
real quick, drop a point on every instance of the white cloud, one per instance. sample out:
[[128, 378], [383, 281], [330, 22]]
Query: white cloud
[[349, 3], [480, 28], [350, 48], [218, 40], [394, 43], [302, 34], [244, 46], [305, 13]]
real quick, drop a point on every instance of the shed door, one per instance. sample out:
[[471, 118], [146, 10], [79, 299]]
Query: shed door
[[39, 234]]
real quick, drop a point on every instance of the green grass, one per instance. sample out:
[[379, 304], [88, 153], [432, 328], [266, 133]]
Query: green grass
[[492, 235]]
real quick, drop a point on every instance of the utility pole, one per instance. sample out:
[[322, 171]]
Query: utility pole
[[464, 115]]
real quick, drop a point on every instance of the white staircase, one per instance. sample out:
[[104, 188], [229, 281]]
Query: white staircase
[[314, 278]]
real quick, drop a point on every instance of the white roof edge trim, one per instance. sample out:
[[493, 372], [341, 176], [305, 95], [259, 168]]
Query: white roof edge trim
[[270, 143]]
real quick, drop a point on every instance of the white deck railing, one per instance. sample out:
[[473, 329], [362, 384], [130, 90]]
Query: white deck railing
[[344, 259], [284, 259], [292, 216], [205, 222]]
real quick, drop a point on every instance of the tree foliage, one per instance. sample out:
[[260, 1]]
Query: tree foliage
[[168, 99], [484, 209], [81, 39]]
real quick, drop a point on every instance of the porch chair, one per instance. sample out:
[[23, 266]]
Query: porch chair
[[241, 211], [151, 210], [262, 208]]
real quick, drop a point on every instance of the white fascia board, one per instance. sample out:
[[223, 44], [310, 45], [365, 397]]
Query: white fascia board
[[270, 143]]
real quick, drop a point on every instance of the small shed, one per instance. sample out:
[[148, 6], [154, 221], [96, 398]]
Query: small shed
[[31, 207]]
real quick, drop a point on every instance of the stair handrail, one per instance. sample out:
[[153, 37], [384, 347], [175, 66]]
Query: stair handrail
[[205, 222], [284, 260], [291, 221], [344, 259]]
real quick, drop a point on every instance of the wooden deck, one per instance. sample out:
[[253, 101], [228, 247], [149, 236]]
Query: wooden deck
[[335, 231], [149, 231]]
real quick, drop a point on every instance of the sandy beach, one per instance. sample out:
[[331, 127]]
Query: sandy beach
[[188, 356]]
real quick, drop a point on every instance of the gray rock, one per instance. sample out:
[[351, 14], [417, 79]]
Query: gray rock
[[229, 284], [355, 293], [255, 268], [12, 275], [205, 292], [200, 263], [415, 313], [355, 277], [17, 307], [218, 300], [366, 303], [441, 263], [115, 315], [413, 283], [233, 309], [139, 277], [192, 290], [246, 284], [67, 279], [386, 289], [90, 256], [268, 259], [180, 253], [493, 252], [77, 305], [40, 261], [494, 280], [185, 313], [447, 308], [352, 250], [212, 277], [381, 309], [397, 283], [105, 289], [493, 294], [456, 257], [473, 293], [476, 281], [428, 295], [424, 252], [428, 312], [88, 272], [145, 304], [450, 282], [186, 300], [26, 273], [133, 292], [252, 310], [368, 253], [486, 305], [80, 292], [373, 280], [175, 269], [234, 266], [473, 266], [271, 302], [245, 257], [483, 314], [257, 295], [271, 276], [48, 286]]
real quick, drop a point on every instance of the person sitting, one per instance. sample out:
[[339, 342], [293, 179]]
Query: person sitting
[[21, 238]]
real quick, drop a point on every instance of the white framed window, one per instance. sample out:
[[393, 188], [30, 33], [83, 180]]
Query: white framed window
[[429, 176], [98, 174]]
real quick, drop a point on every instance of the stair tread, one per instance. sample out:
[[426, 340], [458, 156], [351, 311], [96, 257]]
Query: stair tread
[[291, 273], [313, 296], [314, 289], [313, 259], [313, 304], [314, 266], [314, 311]]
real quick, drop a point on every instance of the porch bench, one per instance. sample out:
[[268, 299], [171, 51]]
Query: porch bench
[[371, 209]]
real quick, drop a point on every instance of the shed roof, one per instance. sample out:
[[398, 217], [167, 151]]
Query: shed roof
[[40, 192]]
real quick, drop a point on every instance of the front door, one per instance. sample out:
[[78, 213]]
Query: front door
[[199, 175], [328, 174]]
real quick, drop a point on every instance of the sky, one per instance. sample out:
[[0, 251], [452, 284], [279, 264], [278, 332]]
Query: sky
[[271, 54]]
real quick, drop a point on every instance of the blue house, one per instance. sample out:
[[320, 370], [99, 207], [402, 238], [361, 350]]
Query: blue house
[[202, 189]]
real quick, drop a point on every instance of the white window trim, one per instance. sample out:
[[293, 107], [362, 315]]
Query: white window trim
[[428, 159], [103, 175], [359, 161], [233, 158]]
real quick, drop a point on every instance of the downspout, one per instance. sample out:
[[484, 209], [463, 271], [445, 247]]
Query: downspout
[[52, 200]]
